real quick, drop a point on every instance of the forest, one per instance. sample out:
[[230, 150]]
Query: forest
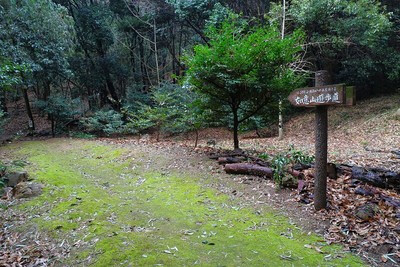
[[143, 95], [173, 66]]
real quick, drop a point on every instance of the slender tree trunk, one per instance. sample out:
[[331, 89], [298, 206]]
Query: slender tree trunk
[[173, 50], [235, 128], [197, 138], [198, 31], [3, 103], [132, 55], [280, 123], [31, 122], [53, 126], [46, 90], [143, 69], [114, 101], [155, 52], [180, 50]]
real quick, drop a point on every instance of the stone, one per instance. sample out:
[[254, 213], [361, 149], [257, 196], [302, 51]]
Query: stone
[[27, 189], [13, 178], [6, 193], [366, 211]]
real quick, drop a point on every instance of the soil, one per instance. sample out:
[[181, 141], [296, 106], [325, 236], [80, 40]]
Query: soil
[[364, 135]]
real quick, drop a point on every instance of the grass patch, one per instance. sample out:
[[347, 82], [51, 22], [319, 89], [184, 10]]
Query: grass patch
[[142, 216]]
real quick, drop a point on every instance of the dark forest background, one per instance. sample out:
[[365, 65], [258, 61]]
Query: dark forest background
[[126, 67]]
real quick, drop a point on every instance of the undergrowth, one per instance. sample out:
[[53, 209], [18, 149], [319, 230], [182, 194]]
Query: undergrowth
[[282, 161]]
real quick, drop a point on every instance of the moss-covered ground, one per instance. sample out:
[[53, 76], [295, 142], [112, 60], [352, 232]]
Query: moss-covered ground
[[116, 208]]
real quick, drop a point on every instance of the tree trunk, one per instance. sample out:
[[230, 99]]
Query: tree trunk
[[31, 122], [143, 69], [114, 101], [53, 126], [3, 98], [280, 123], [172, 49], [235, 128], [46, 90], [156, 52], [197, 138]]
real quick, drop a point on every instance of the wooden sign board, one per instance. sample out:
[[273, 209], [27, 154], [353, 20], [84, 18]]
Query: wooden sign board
[[336, 94]]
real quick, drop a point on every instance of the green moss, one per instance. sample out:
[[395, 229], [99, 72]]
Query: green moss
[[146, 217]]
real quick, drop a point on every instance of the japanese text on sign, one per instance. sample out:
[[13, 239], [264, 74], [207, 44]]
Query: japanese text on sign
[[329, 95], [318, 96]]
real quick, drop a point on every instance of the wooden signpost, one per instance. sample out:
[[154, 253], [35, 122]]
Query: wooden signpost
[[321, 96]]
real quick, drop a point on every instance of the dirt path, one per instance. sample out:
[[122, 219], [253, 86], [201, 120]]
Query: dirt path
[[121, 203]]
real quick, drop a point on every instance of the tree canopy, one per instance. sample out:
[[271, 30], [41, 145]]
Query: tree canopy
[[115, 55], [347, 38], [243, 68]]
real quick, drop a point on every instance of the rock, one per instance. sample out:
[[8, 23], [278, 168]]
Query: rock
[[27, 189], [13, 178], [6, 193], [366, 212]]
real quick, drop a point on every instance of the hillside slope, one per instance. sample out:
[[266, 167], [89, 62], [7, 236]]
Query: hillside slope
[[364, 134]]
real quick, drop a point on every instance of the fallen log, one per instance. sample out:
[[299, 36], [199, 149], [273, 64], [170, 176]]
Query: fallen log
[[344, 169], [371, 192], [228, 160], [248, 168], [227, 155], [377, 177], [391, 201]]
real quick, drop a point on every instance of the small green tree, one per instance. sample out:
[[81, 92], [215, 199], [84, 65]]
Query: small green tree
[[37, 34], [103, 122], [168, 103], [60, 110], [193, 116], [40, 35], [242, 69]]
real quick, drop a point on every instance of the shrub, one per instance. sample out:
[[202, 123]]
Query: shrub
[[60, 110], [168, 111], [281, 162], [103, 122]]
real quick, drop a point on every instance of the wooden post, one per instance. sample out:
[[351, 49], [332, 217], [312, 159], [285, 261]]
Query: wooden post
[[321, 145], [321, 96]]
